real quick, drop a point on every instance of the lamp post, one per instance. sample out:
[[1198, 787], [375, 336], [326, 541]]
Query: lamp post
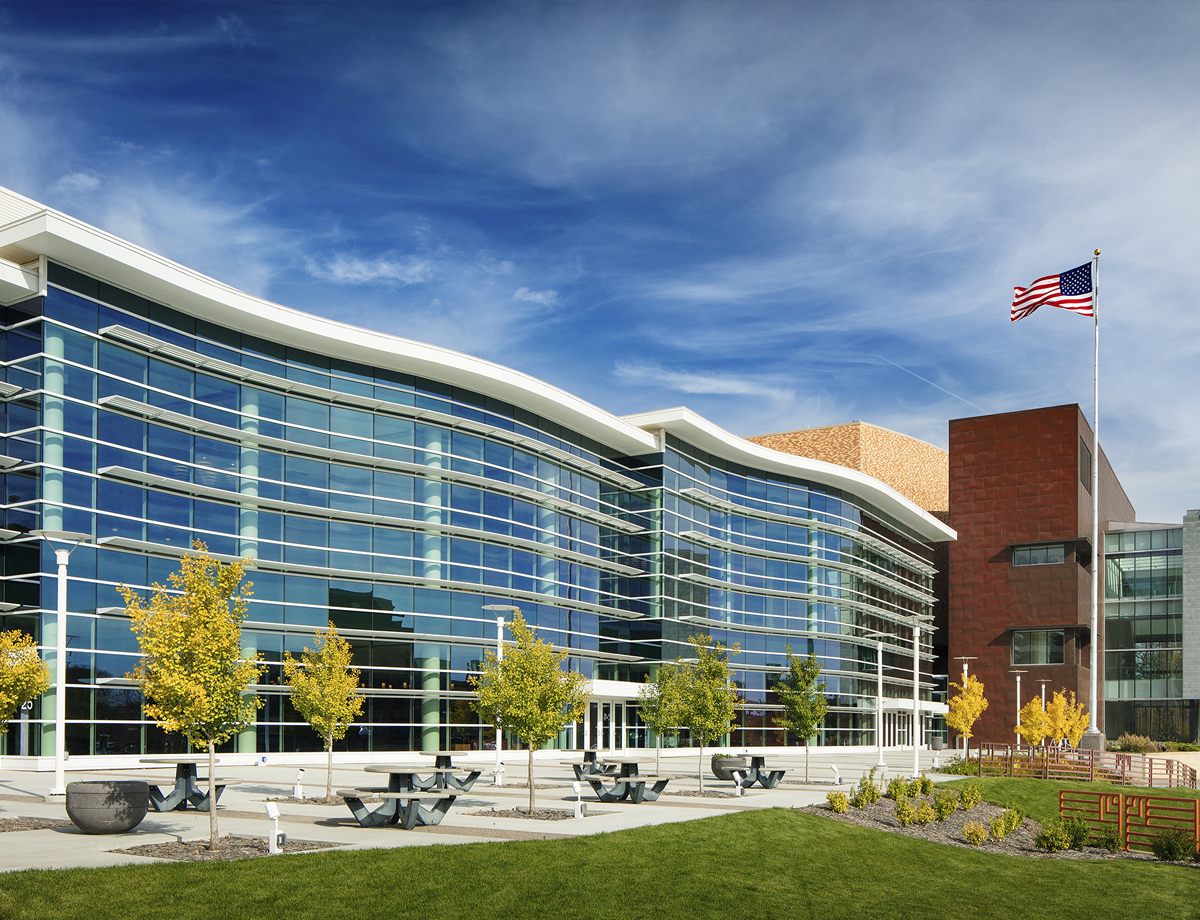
[[1043, 683], [62, 556], [1018, 673], [964, 659], [879, 701], [498, 772]]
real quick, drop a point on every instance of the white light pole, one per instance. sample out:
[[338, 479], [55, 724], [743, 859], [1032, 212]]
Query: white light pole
[[964, 659], [1043, 683], [1018, 673], [916, 716], [62, 556], [498, 772], [879, 701]]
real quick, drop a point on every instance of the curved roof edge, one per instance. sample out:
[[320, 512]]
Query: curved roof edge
[[697, 430], [121, 263]]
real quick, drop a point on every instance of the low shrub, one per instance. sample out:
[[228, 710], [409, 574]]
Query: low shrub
[[1052, 838], [1175, 845], [945, 803], [1136, 744], [923, 814], [970, 795], [1005, 824], [1110, 838], [925, 784], [867, 792], [838, 803], [1180, 746], [960, 767], [1077, 832], [905, 813], [975, 833], [896, 788]]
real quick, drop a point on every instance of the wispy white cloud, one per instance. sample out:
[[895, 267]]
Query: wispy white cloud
[[701, 382], [545, 298], [347, 269]]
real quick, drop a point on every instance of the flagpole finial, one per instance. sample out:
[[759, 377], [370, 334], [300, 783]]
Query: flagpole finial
[[1097, 252]]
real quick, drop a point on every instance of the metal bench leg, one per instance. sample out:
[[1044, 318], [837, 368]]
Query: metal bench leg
[[771, 780], [606, 795], [462, 785], [433, 816], [636, 792], [651, 794], [201, 802], [408, 813], [169, 802], [385, 814]]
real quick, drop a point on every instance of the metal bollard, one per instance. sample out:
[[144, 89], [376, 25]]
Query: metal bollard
[[837, 777], [298, 789], [580, 808]]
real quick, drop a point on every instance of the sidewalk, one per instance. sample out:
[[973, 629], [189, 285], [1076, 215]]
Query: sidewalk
[[241, 811]]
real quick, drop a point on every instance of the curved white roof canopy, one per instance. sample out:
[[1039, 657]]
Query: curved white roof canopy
[[29, 230], [699, 431]]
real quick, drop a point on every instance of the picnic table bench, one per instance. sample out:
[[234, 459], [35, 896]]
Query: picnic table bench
[[402, 807], [645, 787]]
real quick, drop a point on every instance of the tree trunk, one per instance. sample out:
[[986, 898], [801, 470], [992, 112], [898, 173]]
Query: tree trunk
[[702, 767], [329, 768], [212, 797], [657, 753], [807, 744], [531, 779]]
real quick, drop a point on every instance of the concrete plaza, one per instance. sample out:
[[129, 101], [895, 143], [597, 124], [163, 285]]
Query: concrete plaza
[[241, 812]]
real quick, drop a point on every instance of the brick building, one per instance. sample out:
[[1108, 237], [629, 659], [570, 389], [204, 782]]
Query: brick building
[[1020, 570]]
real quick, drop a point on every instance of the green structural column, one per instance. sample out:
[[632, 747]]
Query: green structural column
[[431, 697], [430, 492], [247, 739], [54, 384], [248, 467]]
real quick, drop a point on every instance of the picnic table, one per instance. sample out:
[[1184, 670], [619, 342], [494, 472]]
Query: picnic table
[[589, 766], [189, 788], [758, 773], [627, 785], [442, 775], [403, 797]]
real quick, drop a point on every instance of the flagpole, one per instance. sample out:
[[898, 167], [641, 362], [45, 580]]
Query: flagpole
[[1096, 739]]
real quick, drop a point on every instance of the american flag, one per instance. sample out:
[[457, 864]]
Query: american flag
[[1071, 290]]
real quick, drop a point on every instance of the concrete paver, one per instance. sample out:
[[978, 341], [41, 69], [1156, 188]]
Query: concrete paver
[[241, 812]]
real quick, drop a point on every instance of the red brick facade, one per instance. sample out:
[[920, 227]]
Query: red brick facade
[[1015, 478]]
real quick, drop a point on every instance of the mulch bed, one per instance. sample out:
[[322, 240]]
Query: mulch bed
[[229, 848], [882, 816], [538, 814], [31, 824], [319, 800], [706, 794]]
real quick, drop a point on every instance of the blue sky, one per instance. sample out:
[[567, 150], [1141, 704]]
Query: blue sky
[[779, 215]]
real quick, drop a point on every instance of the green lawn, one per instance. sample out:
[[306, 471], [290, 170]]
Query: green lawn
[[1039, 798], [770, 864]]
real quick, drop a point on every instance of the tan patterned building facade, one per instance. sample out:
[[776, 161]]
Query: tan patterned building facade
[[917, 470]]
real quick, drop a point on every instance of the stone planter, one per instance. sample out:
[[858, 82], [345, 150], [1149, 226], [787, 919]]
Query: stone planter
[[722, 767], [114, 807], [937, 744]]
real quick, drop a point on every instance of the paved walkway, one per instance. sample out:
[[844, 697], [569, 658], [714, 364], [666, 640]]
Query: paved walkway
[[241, 812]]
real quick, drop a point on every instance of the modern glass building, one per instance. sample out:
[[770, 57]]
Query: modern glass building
[[1147, 686], [398, 489]]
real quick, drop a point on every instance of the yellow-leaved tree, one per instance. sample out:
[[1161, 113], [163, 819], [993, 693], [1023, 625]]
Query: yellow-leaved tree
[[966, 708], [325, 690], [192, 672], [1065, 718], [707, 699], [658, 706], [528, 693], [23, 674], [1032, 725]]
